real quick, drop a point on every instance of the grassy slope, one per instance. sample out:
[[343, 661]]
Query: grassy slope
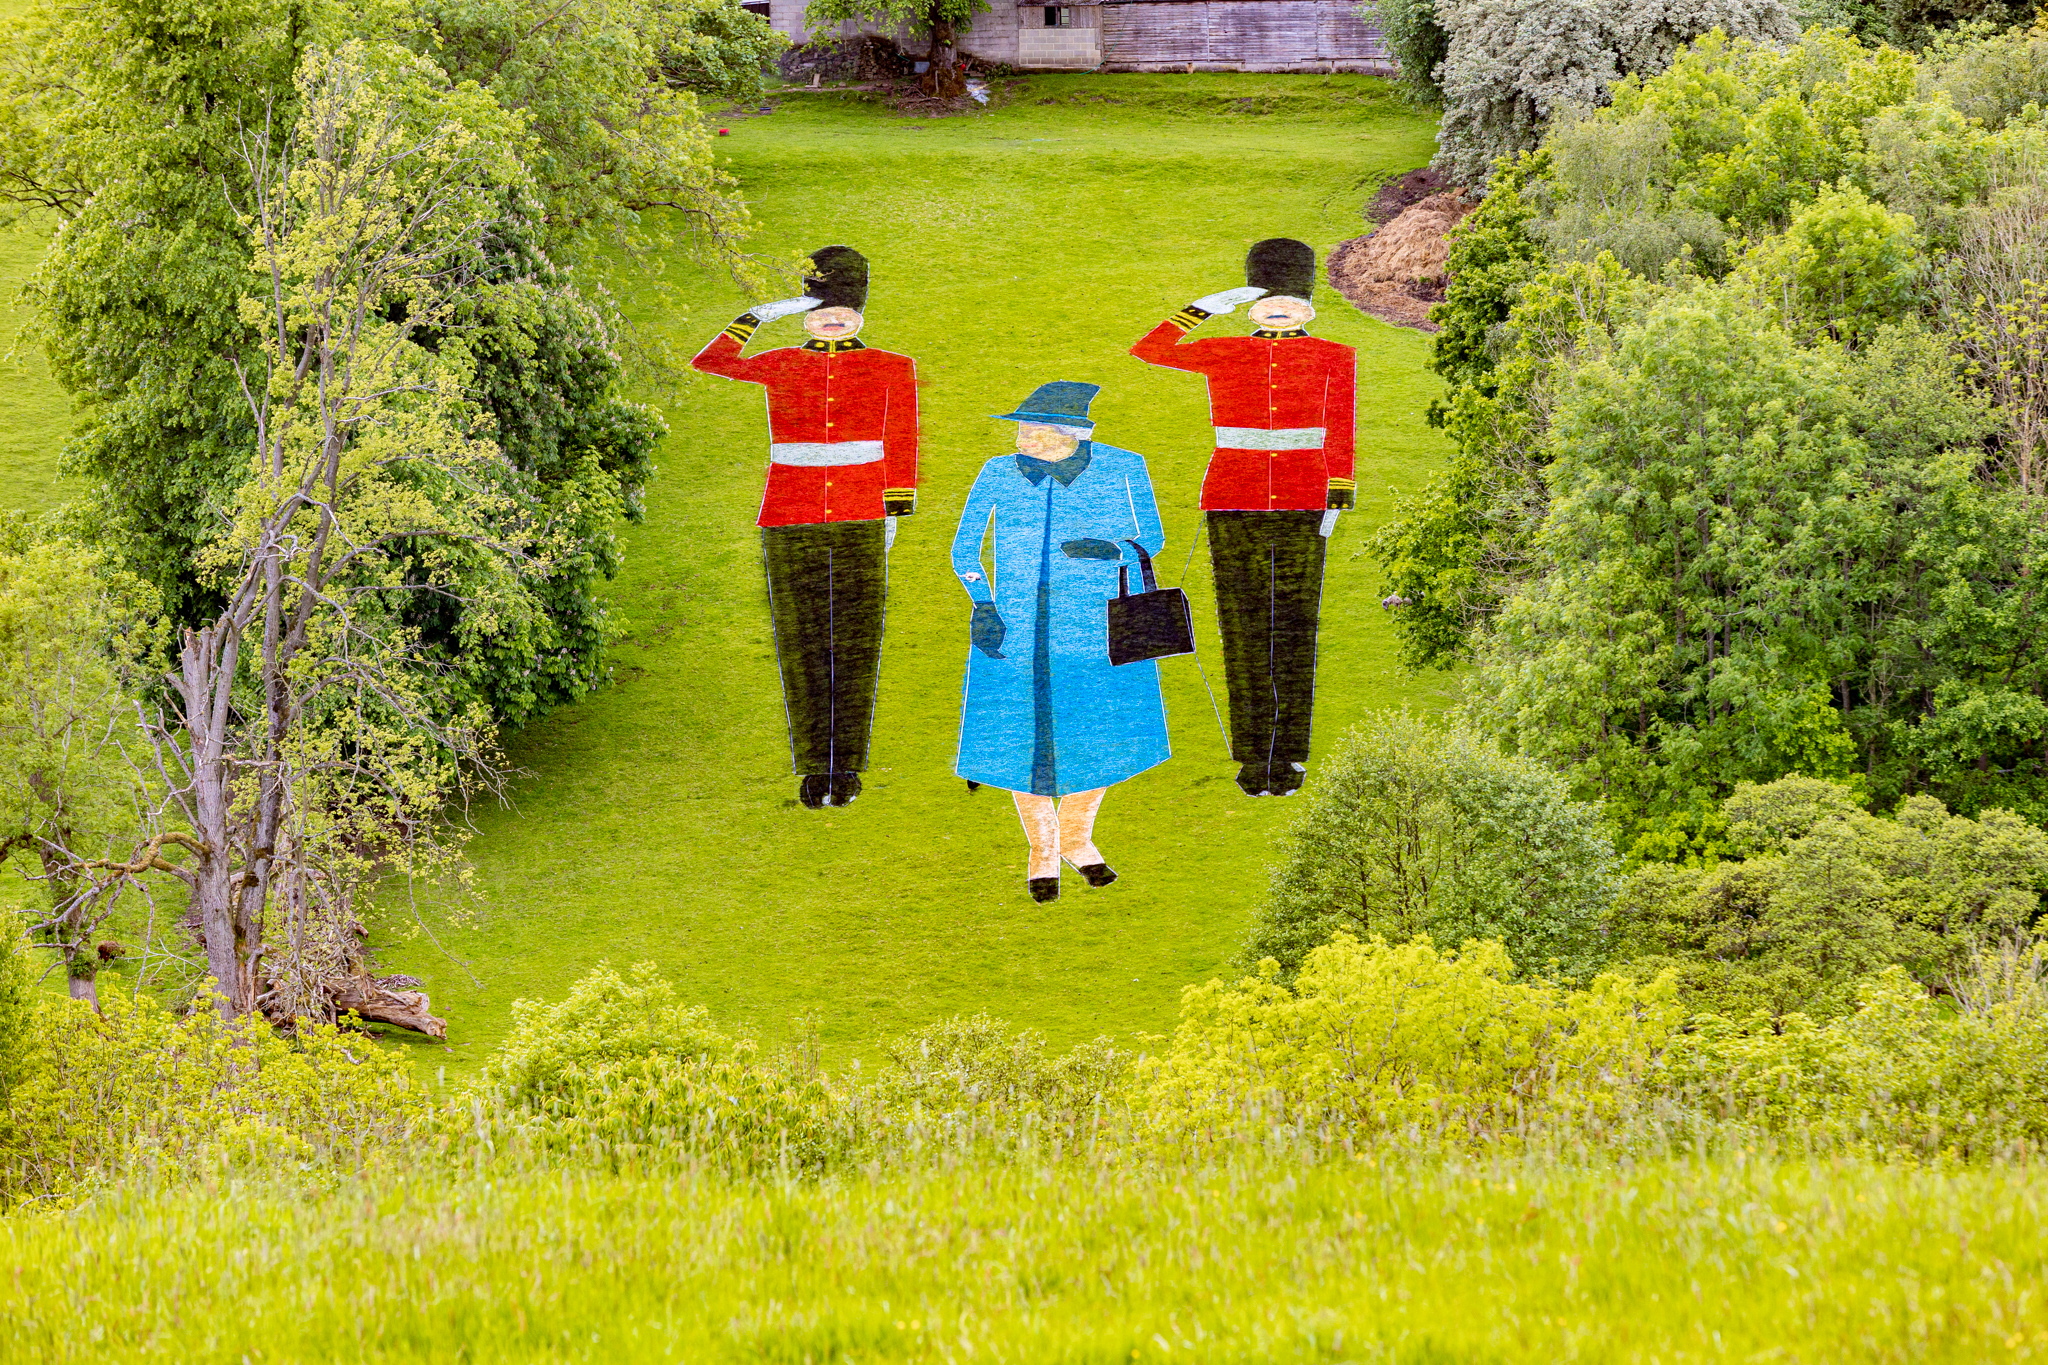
[[1033, 242], [34, 413], [1036, 242], [1662, 1262]]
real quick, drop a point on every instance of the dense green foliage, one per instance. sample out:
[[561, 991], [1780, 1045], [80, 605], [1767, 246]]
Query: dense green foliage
[[1374, 1040], [1899, 1074], [1415, 40], [17, 1025], [622, 1066], [132, 124], [132, 1091], [1511, 67], [1418, 829], [1793, 893], [1747, 477], [73, 639]]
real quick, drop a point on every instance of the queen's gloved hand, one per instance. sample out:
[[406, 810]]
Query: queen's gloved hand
[[1226, 301], [987, 630], [1091, 548]]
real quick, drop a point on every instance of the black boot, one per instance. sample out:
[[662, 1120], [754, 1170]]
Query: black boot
[[1286, 778], [1253, 780], [814, 790], [1043, 889], [844, 787], [1098, 874]]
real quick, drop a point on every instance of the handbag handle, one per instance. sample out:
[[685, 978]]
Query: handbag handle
[[1123, 572]]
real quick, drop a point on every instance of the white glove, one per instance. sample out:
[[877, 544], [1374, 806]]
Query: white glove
[[888, 534], [1329, 523], [782, 308], [1227, 301]]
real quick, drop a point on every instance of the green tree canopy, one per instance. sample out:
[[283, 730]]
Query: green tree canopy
[[1420, 829]]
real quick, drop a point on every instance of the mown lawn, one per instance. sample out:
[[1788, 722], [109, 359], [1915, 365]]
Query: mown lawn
[[1407, 1265], [1032, 242]]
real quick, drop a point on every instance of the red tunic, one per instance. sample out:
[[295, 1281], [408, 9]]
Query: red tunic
[[1290, 384], [843, 422]]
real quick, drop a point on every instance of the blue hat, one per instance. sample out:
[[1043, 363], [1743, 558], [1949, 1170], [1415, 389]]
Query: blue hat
[[1062, 403]]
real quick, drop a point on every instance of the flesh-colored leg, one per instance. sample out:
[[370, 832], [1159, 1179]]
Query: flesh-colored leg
[[1042, 827], [1077, 826]]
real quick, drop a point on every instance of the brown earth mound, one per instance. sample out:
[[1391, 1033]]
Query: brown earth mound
[[1402, 191], [1397, 272]]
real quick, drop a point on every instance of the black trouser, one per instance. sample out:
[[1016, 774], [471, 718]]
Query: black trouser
[[1269, 589], [826, 589]]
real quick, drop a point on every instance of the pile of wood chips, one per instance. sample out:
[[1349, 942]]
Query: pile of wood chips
[[1396, 272]]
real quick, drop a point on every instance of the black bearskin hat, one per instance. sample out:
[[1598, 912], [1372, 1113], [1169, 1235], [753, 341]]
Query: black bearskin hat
[[838, 278], [1281, 265]]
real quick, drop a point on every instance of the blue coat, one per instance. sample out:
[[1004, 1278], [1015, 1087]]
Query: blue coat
[[1053, 715]]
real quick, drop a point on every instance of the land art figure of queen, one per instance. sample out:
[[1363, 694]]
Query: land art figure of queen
[[1281, 402], [842, 466]]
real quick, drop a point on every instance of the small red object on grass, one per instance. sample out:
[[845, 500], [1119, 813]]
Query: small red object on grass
[[725, 132]]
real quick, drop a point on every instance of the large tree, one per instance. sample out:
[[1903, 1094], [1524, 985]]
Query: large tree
[[129, 121], [939, 20]]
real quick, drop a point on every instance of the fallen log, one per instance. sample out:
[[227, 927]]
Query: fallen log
[[375, 1003]]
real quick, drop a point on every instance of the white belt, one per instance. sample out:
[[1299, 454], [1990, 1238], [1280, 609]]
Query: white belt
[[825, 452], [1278, 438]]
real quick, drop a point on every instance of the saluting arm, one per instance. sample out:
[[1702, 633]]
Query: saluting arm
[[1167, 343], [899, 444], [722, 356]]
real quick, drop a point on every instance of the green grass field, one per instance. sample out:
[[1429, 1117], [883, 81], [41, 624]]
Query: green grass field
[[1668, 1262], [657, 819]]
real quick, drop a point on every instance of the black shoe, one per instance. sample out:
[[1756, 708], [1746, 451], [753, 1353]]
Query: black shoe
[[844, 787], [814, 790], [1287, 778], [1098, 874], [1252, 780], [1043, 889]]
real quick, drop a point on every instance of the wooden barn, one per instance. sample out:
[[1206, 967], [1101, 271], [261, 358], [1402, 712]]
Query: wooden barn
[[1159, 35]]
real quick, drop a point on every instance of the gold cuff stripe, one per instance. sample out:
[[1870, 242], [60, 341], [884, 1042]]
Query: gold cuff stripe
[[740, 331], [1187, 319], [899, 492], [1343, 483]]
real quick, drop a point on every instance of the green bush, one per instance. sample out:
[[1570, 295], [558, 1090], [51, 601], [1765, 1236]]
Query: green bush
[[1416, 40], [1900, 1075], [1843, 267], [17, 1029], [1421, 829], [1810, 894], [622, 1070], [1377, 1039], [973, 1073], [133, 1089]]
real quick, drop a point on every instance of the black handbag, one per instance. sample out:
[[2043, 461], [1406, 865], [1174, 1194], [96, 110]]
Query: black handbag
[[1153, 624]]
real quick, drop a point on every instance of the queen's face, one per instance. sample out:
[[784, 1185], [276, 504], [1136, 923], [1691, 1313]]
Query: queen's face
[[1280, 313], [1043, 442], [832, 324]]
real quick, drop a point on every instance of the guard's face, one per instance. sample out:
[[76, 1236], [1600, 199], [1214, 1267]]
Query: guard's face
[[1279, 313], [1043, 442], [832, 324]]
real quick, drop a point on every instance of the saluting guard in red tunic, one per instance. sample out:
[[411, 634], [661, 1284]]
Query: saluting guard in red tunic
[[1281, 402], [842, 466]]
